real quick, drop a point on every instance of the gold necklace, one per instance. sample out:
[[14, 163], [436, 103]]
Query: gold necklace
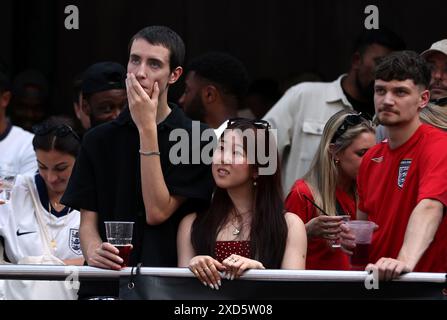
[[53, 242]]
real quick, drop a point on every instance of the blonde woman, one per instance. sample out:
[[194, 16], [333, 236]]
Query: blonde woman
[[330, 184]]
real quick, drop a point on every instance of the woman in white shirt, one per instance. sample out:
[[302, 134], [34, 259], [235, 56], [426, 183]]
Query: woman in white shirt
[[36, 227]]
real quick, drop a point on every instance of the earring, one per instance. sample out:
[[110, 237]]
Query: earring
[[255, 183], [337, 162]]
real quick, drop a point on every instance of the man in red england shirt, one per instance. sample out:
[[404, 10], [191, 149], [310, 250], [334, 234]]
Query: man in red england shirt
[[402, 180]]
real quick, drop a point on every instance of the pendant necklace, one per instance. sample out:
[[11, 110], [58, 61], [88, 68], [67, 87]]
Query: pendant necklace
[[53, 242], [237, 216]]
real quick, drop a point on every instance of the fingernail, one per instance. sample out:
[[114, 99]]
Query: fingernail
[[228, 277], [216, 287], [232, 277], [205, 284], [219, 282], [211, 286]]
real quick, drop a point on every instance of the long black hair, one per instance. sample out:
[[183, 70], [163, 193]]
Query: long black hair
[[268, 232]]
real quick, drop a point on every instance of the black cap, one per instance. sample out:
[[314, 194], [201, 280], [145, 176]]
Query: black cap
[[103, 76]]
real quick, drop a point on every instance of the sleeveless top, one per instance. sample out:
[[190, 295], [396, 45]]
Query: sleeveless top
[[224, 249]]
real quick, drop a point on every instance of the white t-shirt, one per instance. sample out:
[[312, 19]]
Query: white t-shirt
[[16, 149], [22, 233], [23, 237], [299, 117]]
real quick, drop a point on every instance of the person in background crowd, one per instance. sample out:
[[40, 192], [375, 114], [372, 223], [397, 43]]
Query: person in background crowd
[[103, 92], [16, 149], [300, 115], [215, 85], [29, 103]]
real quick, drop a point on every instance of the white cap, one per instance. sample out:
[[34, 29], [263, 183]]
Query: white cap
[[440, 46]]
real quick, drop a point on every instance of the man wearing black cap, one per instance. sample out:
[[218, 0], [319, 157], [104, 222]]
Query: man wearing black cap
[[103, 92]]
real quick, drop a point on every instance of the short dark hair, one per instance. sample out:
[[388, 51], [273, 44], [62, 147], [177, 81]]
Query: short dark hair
[[403, 65], [164, 36], [383, 36], [222, 69], [4, 83], [49, 139]]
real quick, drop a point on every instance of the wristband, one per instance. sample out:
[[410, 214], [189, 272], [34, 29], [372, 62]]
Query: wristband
[[149, 153]]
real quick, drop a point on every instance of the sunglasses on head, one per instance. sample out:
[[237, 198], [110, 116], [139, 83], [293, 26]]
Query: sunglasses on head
[[351, 120], [262, 124], [60, 131]]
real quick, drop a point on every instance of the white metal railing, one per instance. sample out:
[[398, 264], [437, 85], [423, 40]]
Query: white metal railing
[[50, 272]]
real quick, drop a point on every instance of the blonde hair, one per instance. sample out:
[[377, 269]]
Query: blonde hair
[[323, 174], [434, 115]]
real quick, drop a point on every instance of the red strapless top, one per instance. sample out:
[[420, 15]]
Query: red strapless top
[[224, 249]]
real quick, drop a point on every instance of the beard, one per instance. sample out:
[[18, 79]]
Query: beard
[[367, 91], [439, 87], [196, 109]]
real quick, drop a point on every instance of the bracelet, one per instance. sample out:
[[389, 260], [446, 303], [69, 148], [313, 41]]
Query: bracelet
[[149, 153]]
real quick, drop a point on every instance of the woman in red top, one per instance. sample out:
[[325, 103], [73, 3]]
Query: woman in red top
[[246, 226], [331, 184]]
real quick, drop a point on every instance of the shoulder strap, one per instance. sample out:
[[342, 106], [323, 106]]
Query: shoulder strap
[[39, 215]]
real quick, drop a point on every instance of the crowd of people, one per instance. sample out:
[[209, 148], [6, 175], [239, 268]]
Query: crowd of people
[[368, 146]]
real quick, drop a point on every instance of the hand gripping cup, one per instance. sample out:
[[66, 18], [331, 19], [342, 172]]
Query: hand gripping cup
[[362, 231], [337, 242], [119, 234]]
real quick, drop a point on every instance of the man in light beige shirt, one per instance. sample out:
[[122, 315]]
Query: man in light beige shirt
[[300, 115]]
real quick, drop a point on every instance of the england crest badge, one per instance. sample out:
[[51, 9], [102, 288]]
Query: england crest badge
[[75, 242], [403, 172]]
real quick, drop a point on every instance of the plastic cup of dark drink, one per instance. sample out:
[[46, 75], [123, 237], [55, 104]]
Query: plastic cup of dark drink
[[337, 242], [362, 231], [119, 234]]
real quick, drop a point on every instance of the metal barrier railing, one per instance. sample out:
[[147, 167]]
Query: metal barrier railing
[[50, 272]]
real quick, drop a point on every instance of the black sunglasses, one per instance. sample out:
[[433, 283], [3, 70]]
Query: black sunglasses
[[60, 131], [262, 124], [442, 102], [351, 120]]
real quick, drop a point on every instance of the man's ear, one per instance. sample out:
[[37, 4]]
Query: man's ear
[[5, 98], [85, 107], [175, 75], [209, 94], [425, 98]]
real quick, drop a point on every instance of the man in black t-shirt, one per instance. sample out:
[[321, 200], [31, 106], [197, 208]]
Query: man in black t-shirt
[[124, 171]]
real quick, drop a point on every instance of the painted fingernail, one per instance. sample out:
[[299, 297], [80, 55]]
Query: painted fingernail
[[211, 286], [205, 284], [219, 282], [232, 277]]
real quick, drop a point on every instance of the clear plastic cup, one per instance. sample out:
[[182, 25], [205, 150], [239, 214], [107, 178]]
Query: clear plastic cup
[[119, 234], [362, 231]]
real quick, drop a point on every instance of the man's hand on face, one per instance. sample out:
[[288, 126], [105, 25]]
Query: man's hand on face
[[143, 107]]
